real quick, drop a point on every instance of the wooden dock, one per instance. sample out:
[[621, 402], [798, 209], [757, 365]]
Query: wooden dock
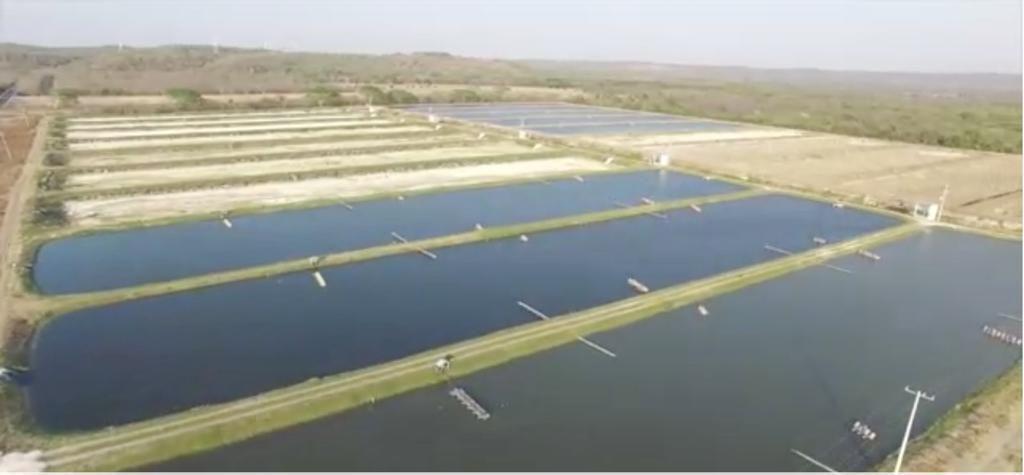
[[469, 403]]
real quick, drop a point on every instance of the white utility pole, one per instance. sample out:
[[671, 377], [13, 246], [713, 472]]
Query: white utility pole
[[910, 424], [942, 203]]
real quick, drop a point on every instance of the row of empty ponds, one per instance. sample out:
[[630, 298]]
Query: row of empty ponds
[[131, 257], [153, 356], [570, 119], [786, 364]]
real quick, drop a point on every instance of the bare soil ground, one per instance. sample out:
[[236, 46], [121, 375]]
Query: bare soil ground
[[168, 158], [221, 121], [16, 175], [129, 119], [985, 435], [262, 137], [164, 205], [673, 139], [241, 169], [19, 139], [983, 185], [220, 129]]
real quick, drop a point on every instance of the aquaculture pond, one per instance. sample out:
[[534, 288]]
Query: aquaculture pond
[[564, 119], [786, 364], [138, 359], [137, 256]]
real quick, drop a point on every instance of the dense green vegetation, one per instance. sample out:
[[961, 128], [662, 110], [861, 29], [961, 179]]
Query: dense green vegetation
[[974, 124]]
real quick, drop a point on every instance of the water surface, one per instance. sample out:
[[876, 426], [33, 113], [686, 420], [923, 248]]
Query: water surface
[[123, 258], [785, 364], [138, 359]]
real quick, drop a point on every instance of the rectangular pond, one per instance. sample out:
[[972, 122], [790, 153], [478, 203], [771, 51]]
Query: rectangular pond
[[568, 119], [142, 358], [137, 256], [786, 364]]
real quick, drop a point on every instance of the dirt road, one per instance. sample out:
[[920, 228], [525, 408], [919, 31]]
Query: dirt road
[[15, 185]]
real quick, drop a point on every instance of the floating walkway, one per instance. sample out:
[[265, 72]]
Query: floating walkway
[[469, 403], [399, 238], [1002, 336], [542, 316]]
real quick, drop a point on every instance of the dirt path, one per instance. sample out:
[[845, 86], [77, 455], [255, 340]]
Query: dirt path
[[984, 437], [15, 188]]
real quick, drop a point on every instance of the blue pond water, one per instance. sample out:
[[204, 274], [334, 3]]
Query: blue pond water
[[572, 119], [138, 359], [789, 363], [123, 258]]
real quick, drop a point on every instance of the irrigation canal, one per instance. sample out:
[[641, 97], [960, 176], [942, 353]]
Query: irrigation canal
[[138, 359], [789, 363]]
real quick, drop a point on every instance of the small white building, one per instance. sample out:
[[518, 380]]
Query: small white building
[[661, 160], [927, 211], [524, 135]]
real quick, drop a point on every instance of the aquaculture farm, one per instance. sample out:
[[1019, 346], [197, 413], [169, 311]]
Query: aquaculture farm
[[320, 289]]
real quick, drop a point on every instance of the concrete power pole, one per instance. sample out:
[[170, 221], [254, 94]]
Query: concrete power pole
[[918, 395], [942, 203]]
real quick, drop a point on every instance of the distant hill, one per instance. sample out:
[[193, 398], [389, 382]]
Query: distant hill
[[978, 111], [153, 70], [987, 86]]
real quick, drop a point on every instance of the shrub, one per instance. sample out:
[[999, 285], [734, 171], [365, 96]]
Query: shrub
[[55, 159], [401, 96], [67, 97], [322, 95], [52, 181], [465, 95], [374, 95], [186, 98], [50, 213]]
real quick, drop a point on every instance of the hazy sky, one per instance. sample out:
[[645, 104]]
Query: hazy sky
[[934, 36]]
